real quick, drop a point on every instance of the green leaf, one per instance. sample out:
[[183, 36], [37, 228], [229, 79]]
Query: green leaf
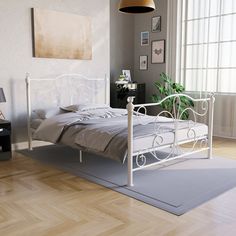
[[166, 86], [156, 98]]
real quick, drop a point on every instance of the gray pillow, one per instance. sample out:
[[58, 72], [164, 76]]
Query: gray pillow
[[46, 113], [84, 107]]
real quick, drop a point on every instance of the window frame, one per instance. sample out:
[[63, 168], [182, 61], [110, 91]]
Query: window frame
[[181, 75]]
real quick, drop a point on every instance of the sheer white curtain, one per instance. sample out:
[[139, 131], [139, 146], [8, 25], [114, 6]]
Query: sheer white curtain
[[205, 59]]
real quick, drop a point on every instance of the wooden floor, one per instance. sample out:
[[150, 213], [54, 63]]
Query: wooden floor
[[40, 200]]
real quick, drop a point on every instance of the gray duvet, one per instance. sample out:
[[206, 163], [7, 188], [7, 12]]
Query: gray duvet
[[102, 131]]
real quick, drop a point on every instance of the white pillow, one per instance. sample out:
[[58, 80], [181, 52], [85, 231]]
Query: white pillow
[[85, 107], [46, 113], [71, 108]]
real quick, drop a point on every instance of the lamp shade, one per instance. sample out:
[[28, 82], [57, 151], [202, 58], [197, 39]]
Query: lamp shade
[[137, 6], [2, 95]]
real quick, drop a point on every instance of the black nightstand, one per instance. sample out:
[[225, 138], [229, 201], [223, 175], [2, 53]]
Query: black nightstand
[[119, 95], [5, 140]]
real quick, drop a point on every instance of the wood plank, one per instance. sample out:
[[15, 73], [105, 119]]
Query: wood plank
[[40, 200]]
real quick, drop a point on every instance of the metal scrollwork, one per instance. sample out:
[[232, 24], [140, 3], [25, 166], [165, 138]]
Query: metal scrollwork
[[141, 160], [141, 115], [204, 143], [176, 128], [158, 140]]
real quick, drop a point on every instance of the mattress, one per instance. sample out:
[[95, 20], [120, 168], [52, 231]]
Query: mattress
[[117, 147], [183, 135]]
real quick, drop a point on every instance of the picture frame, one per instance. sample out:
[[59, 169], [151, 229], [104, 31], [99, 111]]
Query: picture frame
[[156, 24], [48, 35], [158, 51], [143, 62], [145, 38], [127, 75]]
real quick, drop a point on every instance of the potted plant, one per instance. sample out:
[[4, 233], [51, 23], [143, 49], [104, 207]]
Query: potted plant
[[165, 87]]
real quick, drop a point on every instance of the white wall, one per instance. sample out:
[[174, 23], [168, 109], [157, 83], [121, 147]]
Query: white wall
[[121, 44], [126, 48], [16, 51], [122, 41], [143, 23]]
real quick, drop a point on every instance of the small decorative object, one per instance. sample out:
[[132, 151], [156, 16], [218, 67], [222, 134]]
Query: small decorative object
[[121, 77], [143, 62], [156, 24], [145, 38], [2, 99], [165, 87], [158, 51], [137, 6], [127, 75], [132, 86]]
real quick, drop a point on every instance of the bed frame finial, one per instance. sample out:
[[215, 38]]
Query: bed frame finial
[[130, 99], [27, 77]]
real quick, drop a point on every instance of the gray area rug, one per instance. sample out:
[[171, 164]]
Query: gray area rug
[[176, 187]]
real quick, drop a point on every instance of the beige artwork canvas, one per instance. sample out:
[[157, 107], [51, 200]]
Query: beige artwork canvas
[[61, 35]]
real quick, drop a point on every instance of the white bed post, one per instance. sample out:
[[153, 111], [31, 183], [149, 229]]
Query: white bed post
[[105, 88], [27, 80], [80, 156], [130, 108], [210, 125]]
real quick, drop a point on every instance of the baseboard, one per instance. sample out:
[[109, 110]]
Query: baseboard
[[24, 145], [226, 137]]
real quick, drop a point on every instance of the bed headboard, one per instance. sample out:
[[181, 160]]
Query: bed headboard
[[64, 90]]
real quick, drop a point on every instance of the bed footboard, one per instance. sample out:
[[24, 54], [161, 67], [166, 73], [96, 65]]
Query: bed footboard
[[198, 142]]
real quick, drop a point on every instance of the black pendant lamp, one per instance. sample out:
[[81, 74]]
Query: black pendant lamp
[[137, 6]]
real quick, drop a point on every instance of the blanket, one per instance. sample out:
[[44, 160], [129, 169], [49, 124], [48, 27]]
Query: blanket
[[102, 132]]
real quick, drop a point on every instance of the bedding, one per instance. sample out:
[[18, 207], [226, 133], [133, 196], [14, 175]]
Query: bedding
[[84, 107], [35, 123], [104, 131], [46, 113]]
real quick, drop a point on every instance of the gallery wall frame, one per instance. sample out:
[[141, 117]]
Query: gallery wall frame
[[145, 38], [156, 24], [143, 62], [158, 51]]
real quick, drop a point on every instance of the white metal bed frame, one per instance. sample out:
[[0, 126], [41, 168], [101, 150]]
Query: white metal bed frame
[[207, 108], [29, 80]]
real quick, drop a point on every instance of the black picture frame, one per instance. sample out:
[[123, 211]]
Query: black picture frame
[[158, 51], [156, 24], [145, 38], [143, 62]]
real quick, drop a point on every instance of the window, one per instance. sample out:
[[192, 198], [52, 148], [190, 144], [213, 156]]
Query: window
[[208, 53]]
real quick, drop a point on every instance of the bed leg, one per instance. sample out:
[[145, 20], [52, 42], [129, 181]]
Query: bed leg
[[210, 125], [210, 153], [80, 156], [130, 171], [30, 145]]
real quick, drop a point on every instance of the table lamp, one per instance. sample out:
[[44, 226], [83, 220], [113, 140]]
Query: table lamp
[[2, 99]]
